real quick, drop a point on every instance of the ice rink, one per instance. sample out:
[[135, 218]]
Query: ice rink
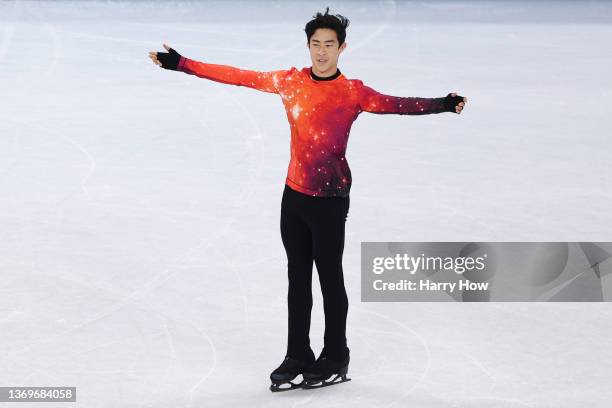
[[140, 250]]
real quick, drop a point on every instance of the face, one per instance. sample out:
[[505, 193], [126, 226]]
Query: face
[[324, 51]]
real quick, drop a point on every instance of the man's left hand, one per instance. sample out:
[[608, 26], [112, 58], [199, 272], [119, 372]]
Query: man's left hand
[[455, 102]]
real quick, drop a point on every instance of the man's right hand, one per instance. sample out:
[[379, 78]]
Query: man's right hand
[[167, 60]]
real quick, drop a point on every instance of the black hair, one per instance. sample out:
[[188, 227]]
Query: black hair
[[337, 22]]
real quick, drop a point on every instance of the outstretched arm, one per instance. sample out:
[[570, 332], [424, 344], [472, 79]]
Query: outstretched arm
[[375, 102], [262, 81]]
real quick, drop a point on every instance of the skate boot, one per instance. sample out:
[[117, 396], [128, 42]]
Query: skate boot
[[326, 372], [282, 378]]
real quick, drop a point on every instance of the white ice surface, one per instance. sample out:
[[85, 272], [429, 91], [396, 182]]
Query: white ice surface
[[140, 250]]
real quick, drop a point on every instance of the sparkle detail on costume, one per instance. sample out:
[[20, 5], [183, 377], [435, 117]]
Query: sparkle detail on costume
[[318, 164]]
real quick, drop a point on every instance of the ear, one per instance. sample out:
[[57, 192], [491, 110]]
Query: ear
[[343, 46]]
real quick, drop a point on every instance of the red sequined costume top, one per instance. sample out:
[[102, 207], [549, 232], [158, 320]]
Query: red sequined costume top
[[320, 114]]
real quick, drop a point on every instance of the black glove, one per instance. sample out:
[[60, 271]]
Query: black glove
[[451, 102], [170, 59]]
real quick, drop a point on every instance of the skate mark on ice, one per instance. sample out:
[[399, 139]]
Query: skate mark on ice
[[236, 272], [384, 4], [9, 30], [509, 400], [168, 337], [150, 43], [53, 32], [222, 31], [88, 156], [214, 358], [419, 338]]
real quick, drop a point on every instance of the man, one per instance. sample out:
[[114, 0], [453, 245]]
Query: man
[[321, 105]]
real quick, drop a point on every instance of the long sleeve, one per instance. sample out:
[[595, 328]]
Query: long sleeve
[[375, 102], [262, 81]]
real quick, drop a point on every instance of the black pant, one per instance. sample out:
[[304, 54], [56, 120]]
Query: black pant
[[312, 228]]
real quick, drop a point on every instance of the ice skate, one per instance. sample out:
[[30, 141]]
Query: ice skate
[[326, 372], [283, 378]]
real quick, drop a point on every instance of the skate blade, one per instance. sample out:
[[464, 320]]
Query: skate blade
[[338, 379], [279, 387]]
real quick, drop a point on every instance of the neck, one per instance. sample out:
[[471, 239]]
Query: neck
[[322, 78]]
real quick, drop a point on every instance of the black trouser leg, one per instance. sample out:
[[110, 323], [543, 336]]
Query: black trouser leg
[[297, 240], [328, 229]]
